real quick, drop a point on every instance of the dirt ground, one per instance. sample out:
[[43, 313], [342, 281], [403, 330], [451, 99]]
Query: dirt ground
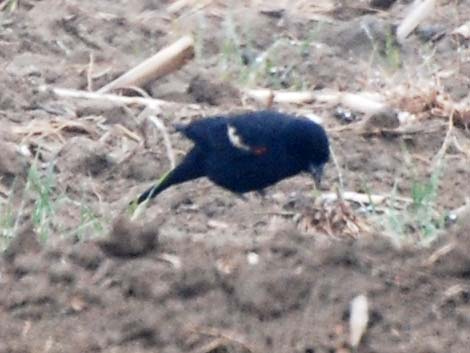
[[203, 270]]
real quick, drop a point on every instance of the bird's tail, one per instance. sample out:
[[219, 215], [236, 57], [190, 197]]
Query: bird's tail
[[153, 191], [190, 168]]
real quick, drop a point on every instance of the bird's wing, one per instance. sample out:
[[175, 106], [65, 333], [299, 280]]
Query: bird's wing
[[205, 133], [215, 134], [258, 132], [252, 133]]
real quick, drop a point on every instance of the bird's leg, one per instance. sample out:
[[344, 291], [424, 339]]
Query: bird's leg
[[255, 196], [242, 197], [258, 194], [263, 196], [261, 193]]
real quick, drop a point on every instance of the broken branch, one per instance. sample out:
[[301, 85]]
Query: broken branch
[[72, 93], [167, 60]]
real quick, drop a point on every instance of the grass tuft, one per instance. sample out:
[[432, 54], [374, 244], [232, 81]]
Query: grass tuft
[[43, 204], [421, 221], [42, 188]]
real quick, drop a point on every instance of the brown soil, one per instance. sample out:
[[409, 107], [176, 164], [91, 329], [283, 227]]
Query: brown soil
[[203, 270]]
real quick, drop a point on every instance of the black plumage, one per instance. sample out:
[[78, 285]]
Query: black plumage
[[248, 152]]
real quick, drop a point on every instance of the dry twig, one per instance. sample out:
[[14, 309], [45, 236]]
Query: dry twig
[[53, 127], [442, 251], [78, 94], [267, 97], [166, 138], [364, 102], [164, 62], [419, 11], [89, 73], [338, 169], [223, 335], [447, 140]]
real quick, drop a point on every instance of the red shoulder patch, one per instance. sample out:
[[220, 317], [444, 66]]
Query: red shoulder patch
[[258, 151]]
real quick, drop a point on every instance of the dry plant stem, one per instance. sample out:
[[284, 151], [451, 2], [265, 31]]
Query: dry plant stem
[[420, 10], [338, 170], [166, 138], [89, 73], [212, 346], [262, 96], [146, 114], [226, 336], [129, 133], [138, 90], [94, 189], [50, 128], [359, 128], [151, 115], [167, 60], [459, 147], [173, 260], [300, 97], [442, 251], [196, 5], [267, 96], [149, 102], [361, 102], [451, 292], [101, 73], [361, 198], [178, 5], [7, 3], [447, 140]]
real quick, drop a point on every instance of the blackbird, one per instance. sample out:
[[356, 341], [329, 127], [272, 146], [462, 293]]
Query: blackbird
[[248, 152]]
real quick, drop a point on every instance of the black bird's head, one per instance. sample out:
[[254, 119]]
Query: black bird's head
[[308, 143]]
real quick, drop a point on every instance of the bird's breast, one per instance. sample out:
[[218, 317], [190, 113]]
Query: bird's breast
[[250, 172]]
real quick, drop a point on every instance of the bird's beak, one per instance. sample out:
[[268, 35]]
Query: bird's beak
[[317, 172]]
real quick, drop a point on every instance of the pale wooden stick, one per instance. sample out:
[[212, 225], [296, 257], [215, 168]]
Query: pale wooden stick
[[299, 97], [361, 198], [148, 102], [89, 73], [262, 96], [267, 96], [363, 102], [327, 96], [420, 10], [164, 62], [437, 254], [178, 5]]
